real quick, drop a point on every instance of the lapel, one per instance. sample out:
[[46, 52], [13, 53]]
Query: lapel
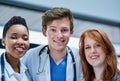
[[45, 64], [70, 71]]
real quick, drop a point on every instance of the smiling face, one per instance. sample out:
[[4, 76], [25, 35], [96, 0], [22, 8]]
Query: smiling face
[[93, 52], [58, 33], [16, 41]]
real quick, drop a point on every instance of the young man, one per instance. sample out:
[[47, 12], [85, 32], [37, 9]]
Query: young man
[[55, 61]]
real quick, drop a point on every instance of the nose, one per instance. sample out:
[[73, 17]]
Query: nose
[[93, 50], [20, 41], [59, 34]]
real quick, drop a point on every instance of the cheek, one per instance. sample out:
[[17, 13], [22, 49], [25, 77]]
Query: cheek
[[86, 55], [102, 52], [50, 35], [27, 44], [87, 52], [9, 45], [67, 36], [103, 55], [9, 42], [87, 58]]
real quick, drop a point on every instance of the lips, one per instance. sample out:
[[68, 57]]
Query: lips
[[59, 41], [94, 56], [20, 49]]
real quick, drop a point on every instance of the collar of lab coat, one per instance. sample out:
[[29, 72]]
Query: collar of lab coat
[[45, 65]]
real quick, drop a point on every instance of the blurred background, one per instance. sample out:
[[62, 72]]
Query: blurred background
[[99, 14]]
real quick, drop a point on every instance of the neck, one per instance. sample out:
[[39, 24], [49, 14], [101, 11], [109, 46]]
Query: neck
[[98, 73], [14, 62], [57, 56], [98, 80]]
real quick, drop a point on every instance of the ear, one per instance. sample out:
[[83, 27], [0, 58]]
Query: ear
[[44, 32], [3, 42], [71, 32]]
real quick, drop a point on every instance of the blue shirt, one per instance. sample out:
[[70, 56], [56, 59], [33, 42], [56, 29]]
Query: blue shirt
[[58, 72], [118, 78]]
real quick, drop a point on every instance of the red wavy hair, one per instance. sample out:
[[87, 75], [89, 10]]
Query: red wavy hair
[[110, 70]]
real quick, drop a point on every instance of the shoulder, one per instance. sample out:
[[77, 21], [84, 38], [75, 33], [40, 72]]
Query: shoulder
[[32, 53], [75, 51], [35, 50]]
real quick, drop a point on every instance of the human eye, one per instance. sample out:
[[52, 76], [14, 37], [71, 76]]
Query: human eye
[[87, 47], [53, 29], [97, 45], [13, 37], [64, 30], [25, 38]]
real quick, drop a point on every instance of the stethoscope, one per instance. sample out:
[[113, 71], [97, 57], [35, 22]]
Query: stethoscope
[[3, 63], [73, 60], [2, 68]]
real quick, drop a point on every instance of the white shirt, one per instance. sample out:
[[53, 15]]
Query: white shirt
[[11, 75]]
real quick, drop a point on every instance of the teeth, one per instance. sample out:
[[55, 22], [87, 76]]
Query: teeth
[[94, 56], [62, 40], [20, 49]]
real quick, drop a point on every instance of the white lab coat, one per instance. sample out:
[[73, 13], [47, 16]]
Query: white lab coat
[[39, 65], [11, 75]]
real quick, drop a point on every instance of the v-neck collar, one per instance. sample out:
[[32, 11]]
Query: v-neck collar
[[64, 61]]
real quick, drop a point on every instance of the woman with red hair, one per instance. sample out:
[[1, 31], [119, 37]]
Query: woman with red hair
[[99, 61]]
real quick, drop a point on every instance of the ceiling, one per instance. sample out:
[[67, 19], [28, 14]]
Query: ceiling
[[33, 13], [32, 18], [106, 9]]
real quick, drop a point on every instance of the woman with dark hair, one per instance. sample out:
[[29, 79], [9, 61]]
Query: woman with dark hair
[[16, 42], [99, 61]]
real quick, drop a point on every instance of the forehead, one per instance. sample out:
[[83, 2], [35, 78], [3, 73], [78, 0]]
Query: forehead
[[89, 40], [59, 22], [93, 35], [18, 29]]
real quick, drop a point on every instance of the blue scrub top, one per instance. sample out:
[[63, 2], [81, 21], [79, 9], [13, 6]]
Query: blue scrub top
[[118, 78], [58, 72]]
